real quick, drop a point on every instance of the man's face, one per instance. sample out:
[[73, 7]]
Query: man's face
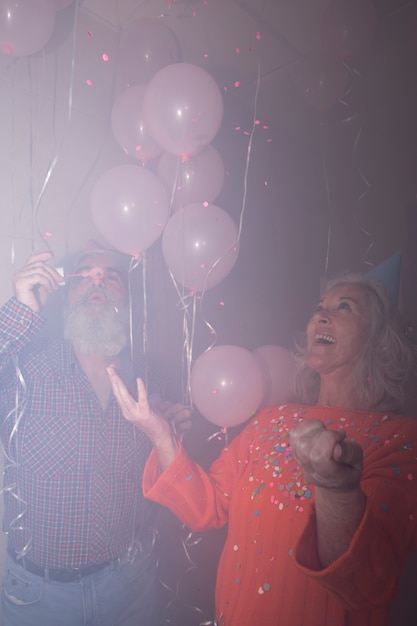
[[96, 312], [99, 277]]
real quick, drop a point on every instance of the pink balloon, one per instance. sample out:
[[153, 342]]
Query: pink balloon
[[200, 246], [183, 107], [227, 385], [279, 368], [129, 127], [25, 26], [129, 208], [146, 46], [197, 179]]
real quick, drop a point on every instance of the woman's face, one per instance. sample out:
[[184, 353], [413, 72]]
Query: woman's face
[[336, 333]]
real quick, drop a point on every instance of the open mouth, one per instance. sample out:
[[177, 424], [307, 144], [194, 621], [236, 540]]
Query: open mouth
[[325, 339], [96, 296]]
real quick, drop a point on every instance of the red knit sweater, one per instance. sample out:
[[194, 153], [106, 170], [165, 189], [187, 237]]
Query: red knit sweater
[[269, 572]]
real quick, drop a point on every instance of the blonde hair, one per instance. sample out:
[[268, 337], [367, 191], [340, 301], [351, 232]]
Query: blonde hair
[[386, 373]]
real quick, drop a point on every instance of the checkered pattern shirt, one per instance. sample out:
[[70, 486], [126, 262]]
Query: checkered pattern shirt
[[73, 472]]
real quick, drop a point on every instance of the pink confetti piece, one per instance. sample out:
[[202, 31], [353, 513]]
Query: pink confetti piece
[[105, 57]]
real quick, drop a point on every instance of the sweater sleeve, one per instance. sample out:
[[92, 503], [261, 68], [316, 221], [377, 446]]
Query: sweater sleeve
[[201, 500], [368, 574]]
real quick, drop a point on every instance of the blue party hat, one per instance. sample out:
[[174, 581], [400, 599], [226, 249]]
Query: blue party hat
[[388, 274]]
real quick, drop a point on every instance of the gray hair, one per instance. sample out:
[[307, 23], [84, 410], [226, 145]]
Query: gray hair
[[386, 373]]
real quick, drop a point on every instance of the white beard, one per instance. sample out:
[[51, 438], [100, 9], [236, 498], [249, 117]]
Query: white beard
[[96, 328]]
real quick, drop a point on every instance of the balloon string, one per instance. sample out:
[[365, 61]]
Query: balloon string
[[12, 456], [188, 330], [329, 227], [363, 195], [14, 169], [56, 151], [178, 170], [220, 434], [248, 154], [245, 187], [364, 179], [145, 304], [189, 539], [189, 353], [88, 171], [134, 262]]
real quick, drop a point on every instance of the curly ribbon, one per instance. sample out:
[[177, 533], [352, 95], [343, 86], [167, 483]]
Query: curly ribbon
[[189, 539], [12, 456]]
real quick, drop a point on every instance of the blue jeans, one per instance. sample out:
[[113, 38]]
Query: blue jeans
[[121, 594]]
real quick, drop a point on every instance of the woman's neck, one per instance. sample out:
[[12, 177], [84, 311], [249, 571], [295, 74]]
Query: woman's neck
[[335, 391]]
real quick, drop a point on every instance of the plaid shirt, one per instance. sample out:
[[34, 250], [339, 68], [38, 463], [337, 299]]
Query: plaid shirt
[[73, 472]]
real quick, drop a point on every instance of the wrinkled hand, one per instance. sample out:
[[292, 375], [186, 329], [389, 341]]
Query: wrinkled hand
[[153, 421], [326, 458], [137, 411], [35, 281], [154, 425]]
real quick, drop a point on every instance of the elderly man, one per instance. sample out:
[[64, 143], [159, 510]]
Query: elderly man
[[80, 533]]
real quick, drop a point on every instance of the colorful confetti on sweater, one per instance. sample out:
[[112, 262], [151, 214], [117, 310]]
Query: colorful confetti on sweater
[[269, 571]]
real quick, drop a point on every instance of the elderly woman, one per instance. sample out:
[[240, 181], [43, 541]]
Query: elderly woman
[[320, 497]]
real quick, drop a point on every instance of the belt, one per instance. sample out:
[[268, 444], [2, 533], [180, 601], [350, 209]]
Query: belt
[[58, 575]]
